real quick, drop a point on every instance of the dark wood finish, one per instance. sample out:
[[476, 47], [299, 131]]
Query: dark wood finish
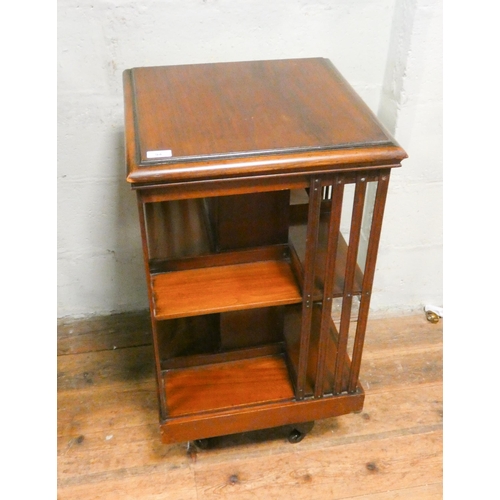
[[236, 220], [275, 252], [251, 327], [160, 392], [193, 360], [351, 265], [329, 282], [188, 336], [240, 170], [269, 106], [307, 293], [151, 193], [371, 258], [298, 237], [208, 115], [177, 229], [291, 334]]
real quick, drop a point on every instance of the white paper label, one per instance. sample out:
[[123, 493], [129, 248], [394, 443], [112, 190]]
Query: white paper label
[[164, 153]]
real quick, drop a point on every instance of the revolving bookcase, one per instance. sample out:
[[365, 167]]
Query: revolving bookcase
[[261, 189]]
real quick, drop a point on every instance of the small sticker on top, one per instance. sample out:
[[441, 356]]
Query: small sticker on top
[[163, 153]]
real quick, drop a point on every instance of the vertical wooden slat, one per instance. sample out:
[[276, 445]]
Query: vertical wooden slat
[[315, 196], [371, 258], [352, 253], [336, 193], [145, 250]]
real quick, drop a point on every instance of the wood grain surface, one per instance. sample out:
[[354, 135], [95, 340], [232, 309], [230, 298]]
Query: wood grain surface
[[204, 110], [225, 288], [229, 119]]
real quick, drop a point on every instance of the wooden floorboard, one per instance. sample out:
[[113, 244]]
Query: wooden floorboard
[[109, 444]]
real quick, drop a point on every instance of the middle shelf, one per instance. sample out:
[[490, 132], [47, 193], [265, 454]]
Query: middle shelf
[[199, 291], [216, 255]]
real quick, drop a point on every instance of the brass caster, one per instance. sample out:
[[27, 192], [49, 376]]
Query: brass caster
[[432, 317], [433, 313]]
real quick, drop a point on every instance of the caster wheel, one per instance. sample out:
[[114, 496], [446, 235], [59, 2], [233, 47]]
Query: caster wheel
[[202, 444], [299, 432], [296, 436]]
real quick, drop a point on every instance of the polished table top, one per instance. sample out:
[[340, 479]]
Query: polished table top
[[226, 119]]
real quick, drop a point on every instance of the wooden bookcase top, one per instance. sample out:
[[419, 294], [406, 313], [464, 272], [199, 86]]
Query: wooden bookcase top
[[216, 120]]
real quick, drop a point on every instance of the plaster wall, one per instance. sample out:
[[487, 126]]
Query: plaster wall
[[410, 268], [100, 268]]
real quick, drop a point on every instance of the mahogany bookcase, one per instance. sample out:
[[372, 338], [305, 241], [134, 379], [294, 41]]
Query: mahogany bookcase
[[261, 189]]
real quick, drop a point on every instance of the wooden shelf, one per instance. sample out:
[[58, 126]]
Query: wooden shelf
[[235, 287], [221, 386]]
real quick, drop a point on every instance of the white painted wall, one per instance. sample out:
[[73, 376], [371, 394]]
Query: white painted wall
[[410, 272], [389, 50]]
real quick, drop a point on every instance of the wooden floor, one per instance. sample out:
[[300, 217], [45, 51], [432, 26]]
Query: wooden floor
[[109, 444]]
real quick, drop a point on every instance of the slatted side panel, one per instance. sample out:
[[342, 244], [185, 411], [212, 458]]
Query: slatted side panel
[[337, 369], [352, 254], [371, 258]]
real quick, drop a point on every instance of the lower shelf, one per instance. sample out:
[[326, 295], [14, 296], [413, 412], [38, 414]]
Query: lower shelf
[[221, 386]]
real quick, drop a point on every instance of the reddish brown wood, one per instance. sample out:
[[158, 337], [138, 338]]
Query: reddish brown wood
[[188, 336], [292, 334], [268, 104], [297, 241], [226, 385], [247, 256], [248, 418], [251, 328], [242, 266], [177, 229], [293, 107], [225, 288], [236, 220], [350, 271], [329, 280], [307, 292], [250, 184], [193, 360], [156, 347], [371, 259]]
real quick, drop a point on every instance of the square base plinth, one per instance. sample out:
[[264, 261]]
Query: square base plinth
[[241, 396]]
